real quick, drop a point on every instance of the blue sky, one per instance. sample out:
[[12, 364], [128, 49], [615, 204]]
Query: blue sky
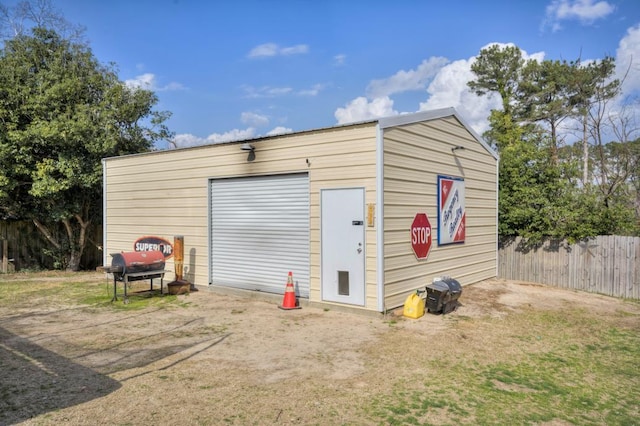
[[239, 69]]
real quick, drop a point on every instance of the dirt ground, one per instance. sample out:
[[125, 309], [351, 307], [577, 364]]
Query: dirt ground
[[226, 359]]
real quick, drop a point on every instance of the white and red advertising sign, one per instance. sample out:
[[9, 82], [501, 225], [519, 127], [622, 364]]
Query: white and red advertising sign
[[153, 243], [421, 235], [451, 211]]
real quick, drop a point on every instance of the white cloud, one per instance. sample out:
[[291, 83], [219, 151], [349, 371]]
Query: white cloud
[[314, 91], [253, 119], [267, 49], [265, 91], [274, 92], [272, 49], [446, 86], [377, 103], [280, 130], [404, 81], [585, 11], [628, 60], [232, 135], [360, 109], [294, 50], [449, 89], [277, 91], [144, 81], [148, 81], [339, 60], [171, 86], [187, 139]]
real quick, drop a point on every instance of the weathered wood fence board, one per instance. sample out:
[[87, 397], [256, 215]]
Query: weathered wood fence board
[[607, 264], [23, 247]]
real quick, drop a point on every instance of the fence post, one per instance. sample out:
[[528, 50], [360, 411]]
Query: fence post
[[5, 256]]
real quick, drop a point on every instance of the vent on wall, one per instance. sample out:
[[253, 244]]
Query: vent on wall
[[343, 283]]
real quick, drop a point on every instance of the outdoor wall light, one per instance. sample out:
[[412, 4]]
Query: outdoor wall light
[[247, 147]]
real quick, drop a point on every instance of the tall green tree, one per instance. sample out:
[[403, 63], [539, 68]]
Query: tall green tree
[[498, 69], [61, 112], [536, 200], [547, 96], [18, 19], [541, 195], [593, 88]]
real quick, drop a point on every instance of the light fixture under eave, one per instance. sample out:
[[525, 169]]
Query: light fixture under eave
[[247, 147], [457, 147]]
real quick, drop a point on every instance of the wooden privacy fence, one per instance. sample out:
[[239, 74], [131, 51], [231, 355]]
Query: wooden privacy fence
[[23, 247], [606, 264]]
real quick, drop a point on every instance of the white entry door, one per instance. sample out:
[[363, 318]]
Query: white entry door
[[343, 254]]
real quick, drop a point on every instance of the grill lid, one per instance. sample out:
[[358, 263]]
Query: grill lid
[[445, 284], [137, 261]]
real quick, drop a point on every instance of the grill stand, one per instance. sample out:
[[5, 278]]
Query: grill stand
[[137, 276]]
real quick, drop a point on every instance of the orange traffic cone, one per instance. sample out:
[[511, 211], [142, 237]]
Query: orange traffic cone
[[289, 300]]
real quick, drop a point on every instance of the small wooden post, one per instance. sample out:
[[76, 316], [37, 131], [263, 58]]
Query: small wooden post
[[178, 255], [5, 256]]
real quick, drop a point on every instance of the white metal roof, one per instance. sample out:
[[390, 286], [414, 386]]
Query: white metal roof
[[383, 123]]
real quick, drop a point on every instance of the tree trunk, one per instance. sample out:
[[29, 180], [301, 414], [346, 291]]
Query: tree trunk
[[554, 143], [77, 247], [47, 234], [73, 262]]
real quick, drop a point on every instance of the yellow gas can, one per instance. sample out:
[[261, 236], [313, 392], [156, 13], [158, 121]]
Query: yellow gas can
[[414, 306]]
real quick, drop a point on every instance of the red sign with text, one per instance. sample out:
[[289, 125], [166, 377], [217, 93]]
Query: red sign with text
[[421, 236]]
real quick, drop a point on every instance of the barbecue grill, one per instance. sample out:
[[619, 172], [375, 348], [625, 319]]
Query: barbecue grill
[[136, 266], [443, 294]]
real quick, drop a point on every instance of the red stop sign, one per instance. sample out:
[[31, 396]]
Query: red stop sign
[[421, 236]]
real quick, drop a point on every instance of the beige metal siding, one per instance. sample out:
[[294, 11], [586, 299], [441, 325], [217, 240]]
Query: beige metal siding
[[414, 155], [166, 193]]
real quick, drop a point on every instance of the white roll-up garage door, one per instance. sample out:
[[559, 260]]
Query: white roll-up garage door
[[260, 232]]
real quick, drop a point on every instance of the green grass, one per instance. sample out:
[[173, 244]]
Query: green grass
[[571, 366], [588, 373], [80, 288]]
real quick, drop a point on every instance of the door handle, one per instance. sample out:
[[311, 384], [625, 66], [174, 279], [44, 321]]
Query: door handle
[[359, 250]]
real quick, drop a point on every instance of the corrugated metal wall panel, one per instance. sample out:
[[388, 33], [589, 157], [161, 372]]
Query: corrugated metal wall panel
[[172, 187], [260, 232], [414, 155]]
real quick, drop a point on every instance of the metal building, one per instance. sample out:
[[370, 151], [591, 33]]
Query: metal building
[[362, 214]]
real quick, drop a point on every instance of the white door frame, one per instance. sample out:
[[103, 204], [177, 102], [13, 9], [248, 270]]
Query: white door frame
[[342, 245]]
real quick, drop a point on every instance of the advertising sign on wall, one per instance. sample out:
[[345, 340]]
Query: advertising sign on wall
[[152, 243], [451, 211]]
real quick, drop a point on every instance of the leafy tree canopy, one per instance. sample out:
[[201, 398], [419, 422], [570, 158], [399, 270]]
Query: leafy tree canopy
[[543, 191], [61, 112]]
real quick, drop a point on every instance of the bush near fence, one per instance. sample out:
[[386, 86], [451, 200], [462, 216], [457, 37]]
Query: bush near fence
[[608, 264], [26, 248]]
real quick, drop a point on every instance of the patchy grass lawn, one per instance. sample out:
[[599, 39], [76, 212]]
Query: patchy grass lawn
[[562, 367], [511, 354]]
